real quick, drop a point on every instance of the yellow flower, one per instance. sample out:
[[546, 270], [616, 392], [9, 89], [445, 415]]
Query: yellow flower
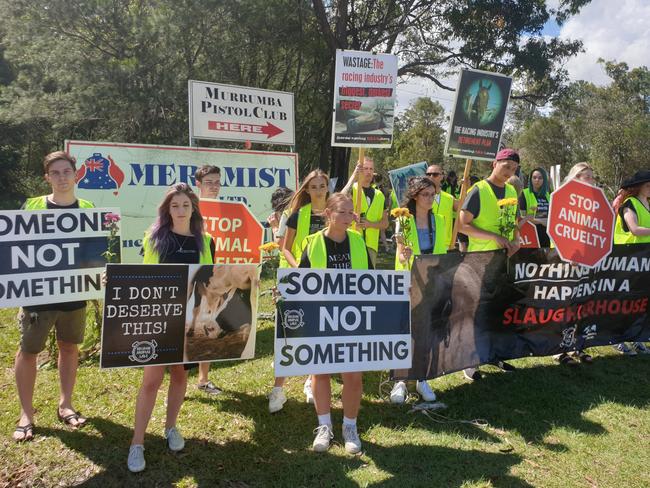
[[400, 212], [506, 202], [269, 247]]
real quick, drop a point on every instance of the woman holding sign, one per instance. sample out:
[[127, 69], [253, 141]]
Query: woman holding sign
[[337, 247], [305, 218], [534, 201], [175, 237], [424, 233]]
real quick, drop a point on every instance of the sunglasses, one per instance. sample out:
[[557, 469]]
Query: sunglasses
[[435, 174]]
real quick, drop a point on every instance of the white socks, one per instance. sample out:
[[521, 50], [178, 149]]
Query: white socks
[[325, 419], [351, 422]]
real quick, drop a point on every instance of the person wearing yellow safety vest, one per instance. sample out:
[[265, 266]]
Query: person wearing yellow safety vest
[[305, 218], [36, 321], [632, 208], [373, 216], [426, 234], [175, 237], [534, 201], [337, 247], [483, 218], [444, 204]]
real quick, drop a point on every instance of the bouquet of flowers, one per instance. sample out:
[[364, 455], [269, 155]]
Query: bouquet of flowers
[[403, 217], [507, 216], [111, 223]]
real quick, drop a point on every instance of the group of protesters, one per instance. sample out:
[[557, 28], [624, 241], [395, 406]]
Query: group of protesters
[[313, 230]]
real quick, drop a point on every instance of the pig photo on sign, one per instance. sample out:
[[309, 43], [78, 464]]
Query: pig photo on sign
[[221, 309]]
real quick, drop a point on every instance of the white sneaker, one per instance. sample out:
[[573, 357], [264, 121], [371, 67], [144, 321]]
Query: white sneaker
[[175, 440], [323, 437], [351, 438], [277, 399], [425, 391], [136, 462], [306, 389], [640, 348], [398, 393]]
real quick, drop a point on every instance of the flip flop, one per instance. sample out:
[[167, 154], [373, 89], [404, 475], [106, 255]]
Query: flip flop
[[24, 430], [73, 416]]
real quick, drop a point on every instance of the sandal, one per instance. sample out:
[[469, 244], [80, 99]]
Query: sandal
[[567, 360], [584, 357], [26, 430], [79, 419]]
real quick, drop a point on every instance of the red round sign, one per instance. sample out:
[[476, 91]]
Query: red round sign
[[581, 223], [237, 233]]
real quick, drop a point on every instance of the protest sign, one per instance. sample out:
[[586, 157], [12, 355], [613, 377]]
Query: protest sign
[[178, 313], [581, 223], [240, 113], [364, 99], [337, 321], [479, 308], [55, 256], [237, 234], [528, 237], [479, 111], [136, 178], [399, 178]]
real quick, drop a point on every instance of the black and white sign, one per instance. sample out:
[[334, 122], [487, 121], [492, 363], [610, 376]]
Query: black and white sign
[[53, 256], [178, 313], [338, 321]]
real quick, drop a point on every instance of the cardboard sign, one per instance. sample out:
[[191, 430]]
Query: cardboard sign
[[136, 178], [364, 99], [240, 113], [479, 111], [337, 321], [237, 234], [399, 178], [178, 313], [54, 256], [581, 223]]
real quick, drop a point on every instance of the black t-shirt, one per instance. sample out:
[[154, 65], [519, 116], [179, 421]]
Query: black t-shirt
[[65, 306], [542, 205], [473, 201], [183, 250], [338, 255], [316, 222], [621, 210]]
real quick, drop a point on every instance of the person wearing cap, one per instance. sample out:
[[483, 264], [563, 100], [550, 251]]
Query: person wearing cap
[[373, 216], [480, 218], [444, 204], [633, 226]]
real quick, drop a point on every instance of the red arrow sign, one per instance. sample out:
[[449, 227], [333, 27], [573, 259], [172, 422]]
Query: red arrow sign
[[269, 129]]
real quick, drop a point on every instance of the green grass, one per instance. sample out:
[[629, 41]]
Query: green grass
[[543, 425]]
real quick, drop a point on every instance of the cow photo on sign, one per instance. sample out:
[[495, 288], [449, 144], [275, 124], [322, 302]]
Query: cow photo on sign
[[220, 312]]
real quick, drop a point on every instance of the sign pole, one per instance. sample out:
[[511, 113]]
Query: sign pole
[[463, 193], [357, 202]]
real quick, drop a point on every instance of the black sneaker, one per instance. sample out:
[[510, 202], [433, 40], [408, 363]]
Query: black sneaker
[[503, 366], [472, 374]]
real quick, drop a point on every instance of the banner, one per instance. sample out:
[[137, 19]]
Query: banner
[[178, 313], [240, 113], [479, 111], [338, 321], [364, 99], [135, 177], [55, 256], [482, 307], [399, 178]]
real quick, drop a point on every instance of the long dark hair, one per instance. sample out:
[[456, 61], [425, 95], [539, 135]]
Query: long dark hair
[[415, 185], [545, 188], [301, 197], [160, 231]]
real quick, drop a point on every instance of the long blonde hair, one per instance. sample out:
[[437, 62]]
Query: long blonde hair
[[301, 197], [575, 170]]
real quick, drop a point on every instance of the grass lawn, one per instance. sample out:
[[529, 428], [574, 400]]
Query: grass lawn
[[543, 425]]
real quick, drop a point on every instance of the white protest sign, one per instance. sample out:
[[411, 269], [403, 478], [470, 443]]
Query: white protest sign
[[240, 113], [54, 256], [337, 321], [364, 99]]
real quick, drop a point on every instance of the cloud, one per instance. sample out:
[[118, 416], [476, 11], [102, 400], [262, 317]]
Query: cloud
[[612, 30]]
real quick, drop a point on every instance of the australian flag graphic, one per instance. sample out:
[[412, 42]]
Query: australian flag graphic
[[99, 173]]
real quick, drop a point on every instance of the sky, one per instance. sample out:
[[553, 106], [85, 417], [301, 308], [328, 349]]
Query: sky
[[610, 29]]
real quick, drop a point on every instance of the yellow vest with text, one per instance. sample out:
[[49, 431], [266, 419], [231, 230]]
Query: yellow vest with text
[[151, 256], [40, 203], [531, 200], [373, 213], [445, 209], [317, 251], [643, 219], [488, 217], [439, 246]]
